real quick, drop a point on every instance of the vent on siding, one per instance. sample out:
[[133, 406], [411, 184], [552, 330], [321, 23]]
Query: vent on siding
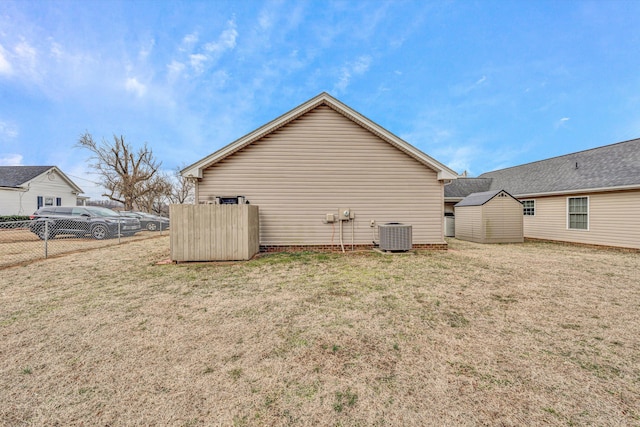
[[395, 237]]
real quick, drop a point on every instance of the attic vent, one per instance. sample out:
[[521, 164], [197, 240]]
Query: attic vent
[[395, 237]]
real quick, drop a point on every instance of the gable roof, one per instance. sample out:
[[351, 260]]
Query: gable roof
[[615, 166], [195, 170], [479, 199], [17, 176]]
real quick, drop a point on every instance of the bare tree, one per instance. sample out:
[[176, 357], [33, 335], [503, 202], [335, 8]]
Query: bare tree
[[183, 189], [125, 173], [156, 198]]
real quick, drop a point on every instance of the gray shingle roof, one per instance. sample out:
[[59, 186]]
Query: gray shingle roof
[[462, 187], [479, 199], [15, 176], [614, 165]]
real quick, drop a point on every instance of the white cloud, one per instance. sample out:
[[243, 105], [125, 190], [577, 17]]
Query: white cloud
[[56, 50], [190, 40], [358, 67], [464, 89], [175, 69], [562, 122], [9, 159], [265, 20], [27, 56], [5, 66], [197, 62], [133, 85], [209, 52], [461, 158], [361, 65], [7, 130], [226, 41], [145, 50]]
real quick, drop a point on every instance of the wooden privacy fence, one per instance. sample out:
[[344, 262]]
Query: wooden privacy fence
[[214, 232]]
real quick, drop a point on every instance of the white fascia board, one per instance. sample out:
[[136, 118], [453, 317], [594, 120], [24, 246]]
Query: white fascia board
[[579, 191], [14, 189]]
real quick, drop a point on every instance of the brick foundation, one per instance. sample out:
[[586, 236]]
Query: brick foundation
[[347, 248]]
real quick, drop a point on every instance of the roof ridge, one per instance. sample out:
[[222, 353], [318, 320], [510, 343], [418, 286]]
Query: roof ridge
[[560, 156]]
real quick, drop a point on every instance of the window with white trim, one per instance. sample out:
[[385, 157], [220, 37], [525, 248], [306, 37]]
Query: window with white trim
[[529, 207], [578, 213]]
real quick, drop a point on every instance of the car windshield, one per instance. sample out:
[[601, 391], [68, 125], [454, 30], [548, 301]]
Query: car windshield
[[103, 212]]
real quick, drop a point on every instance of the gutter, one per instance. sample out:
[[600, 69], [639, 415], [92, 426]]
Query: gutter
[[22, 189], [578, 191]]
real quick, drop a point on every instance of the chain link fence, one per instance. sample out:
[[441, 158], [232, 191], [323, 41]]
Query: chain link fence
[[26, 241]]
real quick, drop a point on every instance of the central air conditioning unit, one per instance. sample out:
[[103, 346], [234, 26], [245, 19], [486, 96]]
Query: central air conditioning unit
[[395, 237]]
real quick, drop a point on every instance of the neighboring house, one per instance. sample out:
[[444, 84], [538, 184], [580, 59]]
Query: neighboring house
[[461, 188], [23, 189], [489, 217], [589, 197], [320, 159]]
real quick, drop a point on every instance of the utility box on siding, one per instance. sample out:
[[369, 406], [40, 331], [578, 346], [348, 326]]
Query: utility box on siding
[[489, 217], [214, 232]]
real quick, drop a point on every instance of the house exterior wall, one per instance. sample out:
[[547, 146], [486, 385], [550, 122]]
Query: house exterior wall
[[318, 164], [502, 220], [469, 220], [449, 207], [14, 202], [613, 220]]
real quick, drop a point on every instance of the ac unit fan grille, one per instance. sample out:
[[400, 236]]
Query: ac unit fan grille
[[395, 237]]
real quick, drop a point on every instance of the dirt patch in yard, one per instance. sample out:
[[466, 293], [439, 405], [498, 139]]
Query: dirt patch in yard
[[522, 334]]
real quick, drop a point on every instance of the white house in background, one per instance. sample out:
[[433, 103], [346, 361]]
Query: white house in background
[[23, 189]]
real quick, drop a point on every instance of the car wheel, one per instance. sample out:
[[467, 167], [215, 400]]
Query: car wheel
[[99, 232], [151, 226]]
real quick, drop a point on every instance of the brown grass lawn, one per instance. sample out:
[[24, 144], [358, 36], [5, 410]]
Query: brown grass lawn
[[525, 334]]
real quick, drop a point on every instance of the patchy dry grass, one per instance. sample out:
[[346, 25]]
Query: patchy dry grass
[[496, 335]]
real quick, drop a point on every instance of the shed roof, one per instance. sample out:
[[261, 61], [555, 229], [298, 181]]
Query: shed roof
[[16, 176], [479, 199], [607, 167], [195, 170]]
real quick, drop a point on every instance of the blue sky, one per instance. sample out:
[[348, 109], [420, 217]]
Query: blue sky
[[479, 85]]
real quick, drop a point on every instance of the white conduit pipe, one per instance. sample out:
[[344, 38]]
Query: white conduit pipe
[[341, 242], [353, 224]]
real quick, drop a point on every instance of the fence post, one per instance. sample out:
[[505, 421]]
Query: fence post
[[119, 232], [46, 238]]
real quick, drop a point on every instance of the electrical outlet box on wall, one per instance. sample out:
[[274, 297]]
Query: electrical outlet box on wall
[[345, 214]]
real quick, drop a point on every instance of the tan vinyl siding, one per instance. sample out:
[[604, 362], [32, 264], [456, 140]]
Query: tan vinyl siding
[[469, 224], [322, 162], [503, 221], [613, 220]]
